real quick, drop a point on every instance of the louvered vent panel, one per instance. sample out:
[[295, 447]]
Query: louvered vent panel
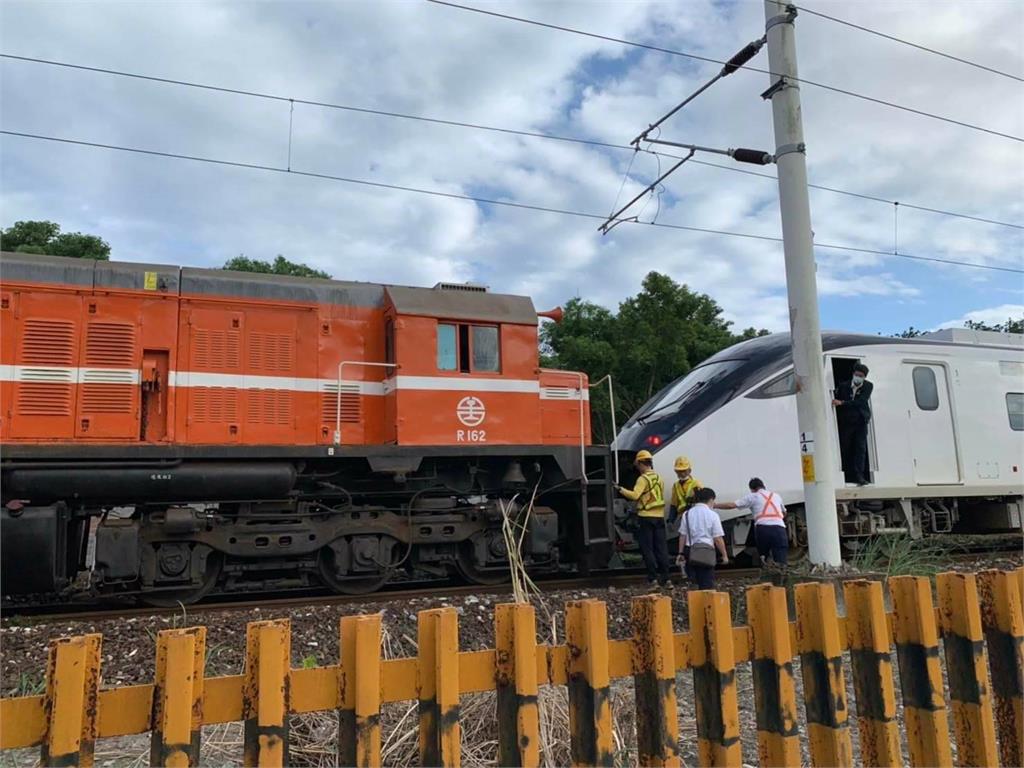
[[110, 345], [44, 399], [108, 391], [215, 350], [271, 352], [560, 393], [351, 404], [214, 405], [46, 390], [269, 406], [48, 342]]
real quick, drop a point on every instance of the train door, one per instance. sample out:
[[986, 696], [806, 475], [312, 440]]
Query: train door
[[45, 366], [932, 436], [213, 376], [839, 370], [108, 392]]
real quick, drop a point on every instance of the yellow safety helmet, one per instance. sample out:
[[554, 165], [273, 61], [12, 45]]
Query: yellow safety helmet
[[682, 463], [644, 455]]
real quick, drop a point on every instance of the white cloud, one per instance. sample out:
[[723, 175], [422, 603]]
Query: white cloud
[[431, 60], [989, 316]]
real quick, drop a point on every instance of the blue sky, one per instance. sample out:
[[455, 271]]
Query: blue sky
[[425, 59]]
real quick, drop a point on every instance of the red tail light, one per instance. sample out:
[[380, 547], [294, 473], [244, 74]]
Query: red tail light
[[653, 440]]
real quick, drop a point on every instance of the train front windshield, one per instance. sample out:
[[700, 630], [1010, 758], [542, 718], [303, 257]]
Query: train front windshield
[[675, 395]]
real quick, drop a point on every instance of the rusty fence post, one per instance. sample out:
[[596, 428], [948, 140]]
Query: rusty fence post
[[714, 679], [438, 688], [70, 701], [178, 697], [590, 712], [515, 633], [654, 682], [266, 694], [821, 665], [1003, 626], [917, 651], [867, 630], [359, 696], [966, 668], [778, 740]]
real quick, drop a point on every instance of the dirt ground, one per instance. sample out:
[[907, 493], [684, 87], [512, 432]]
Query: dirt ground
[[128, 658]]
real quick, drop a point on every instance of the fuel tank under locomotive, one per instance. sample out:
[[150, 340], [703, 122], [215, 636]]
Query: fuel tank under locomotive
[[114, 484]]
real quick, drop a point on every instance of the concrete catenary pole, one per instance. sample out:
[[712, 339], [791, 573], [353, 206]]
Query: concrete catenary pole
[[817, 455]]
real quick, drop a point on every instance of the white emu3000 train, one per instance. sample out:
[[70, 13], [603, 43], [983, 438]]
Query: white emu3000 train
[[945, 442]]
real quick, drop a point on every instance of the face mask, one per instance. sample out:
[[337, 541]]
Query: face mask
[[858, 380]]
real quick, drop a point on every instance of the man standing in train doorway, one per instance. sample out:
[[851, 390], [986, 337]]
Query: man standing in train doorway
[[853, 412], [649, 495]]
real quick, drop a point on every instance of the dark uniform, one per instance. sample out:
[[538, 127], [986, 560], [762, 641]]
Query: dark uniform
[[853, 414]]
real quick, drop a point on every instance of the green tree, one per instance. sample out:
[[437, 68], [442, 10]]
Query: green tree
[[910, 333], [280, 266], [46, 237], [653, 338], [1010, 326]]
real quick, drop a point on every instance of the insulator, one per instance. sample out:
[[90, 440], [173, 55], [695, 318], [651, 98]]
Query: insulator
[[748, 52], [755, 156]]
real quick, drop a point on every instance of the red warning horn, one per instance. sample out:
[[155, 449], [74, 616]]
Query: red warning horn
[[555, 314]]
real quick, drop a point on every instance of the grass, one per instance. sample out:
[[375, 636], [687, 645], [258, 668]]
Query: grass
[[30, 684], [900, 556]]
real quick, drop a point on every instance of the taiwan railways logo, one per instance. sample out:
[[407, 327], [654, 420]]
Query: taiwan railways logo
[[471, 411]]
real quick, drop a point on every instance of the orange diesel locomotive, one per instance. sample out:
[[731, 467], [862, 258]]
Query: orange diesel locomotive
[[224, 431]]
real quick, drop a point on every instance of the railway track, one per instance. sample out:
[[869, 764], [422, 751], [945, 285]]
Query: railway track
[[401, 591]]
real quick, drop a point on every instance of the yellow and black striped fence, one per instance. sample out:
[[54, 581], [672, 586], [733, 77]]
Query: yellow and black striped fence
[[978, 620]]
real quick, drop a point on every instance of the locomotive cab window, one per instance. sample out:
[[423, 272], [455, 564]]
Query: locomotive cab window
[[485, 348], [1015, 410], [468, 348], [780, 386], [447, 348]]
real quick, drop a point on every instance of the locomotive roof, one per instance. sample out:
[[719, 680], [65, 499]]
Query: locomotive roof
[[459, 305], [432, 302]]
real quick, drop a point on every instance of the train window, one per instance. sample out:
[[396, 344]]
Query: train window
[[780, 386], [926, 390], [679, 391], [1015, 410], [447, 348], [485, 348], [467, 348]]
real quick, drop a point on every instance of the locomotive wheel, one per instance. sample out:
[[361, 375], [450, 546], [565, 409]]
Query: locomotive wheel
[[468, 568], [172, 597], [349, 585]]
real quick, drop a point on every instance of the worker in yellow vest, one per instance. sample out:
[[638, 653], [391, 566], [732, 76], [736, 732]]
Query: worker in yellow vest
[[649, 495], [683, 489]]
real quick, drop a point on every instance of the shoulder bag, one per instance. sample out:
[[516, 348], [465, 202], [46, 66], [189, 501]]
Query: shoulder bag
[[700, 554]]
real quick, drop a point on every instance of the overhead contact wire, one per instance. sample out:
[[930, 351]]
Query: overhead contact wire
[[803, 80], [918, 46], [479, 127], [470, 198]]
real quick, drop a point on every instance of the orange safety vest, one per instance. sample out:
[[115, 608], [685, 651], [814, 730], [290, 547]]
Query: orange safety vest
[[770, 511]]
